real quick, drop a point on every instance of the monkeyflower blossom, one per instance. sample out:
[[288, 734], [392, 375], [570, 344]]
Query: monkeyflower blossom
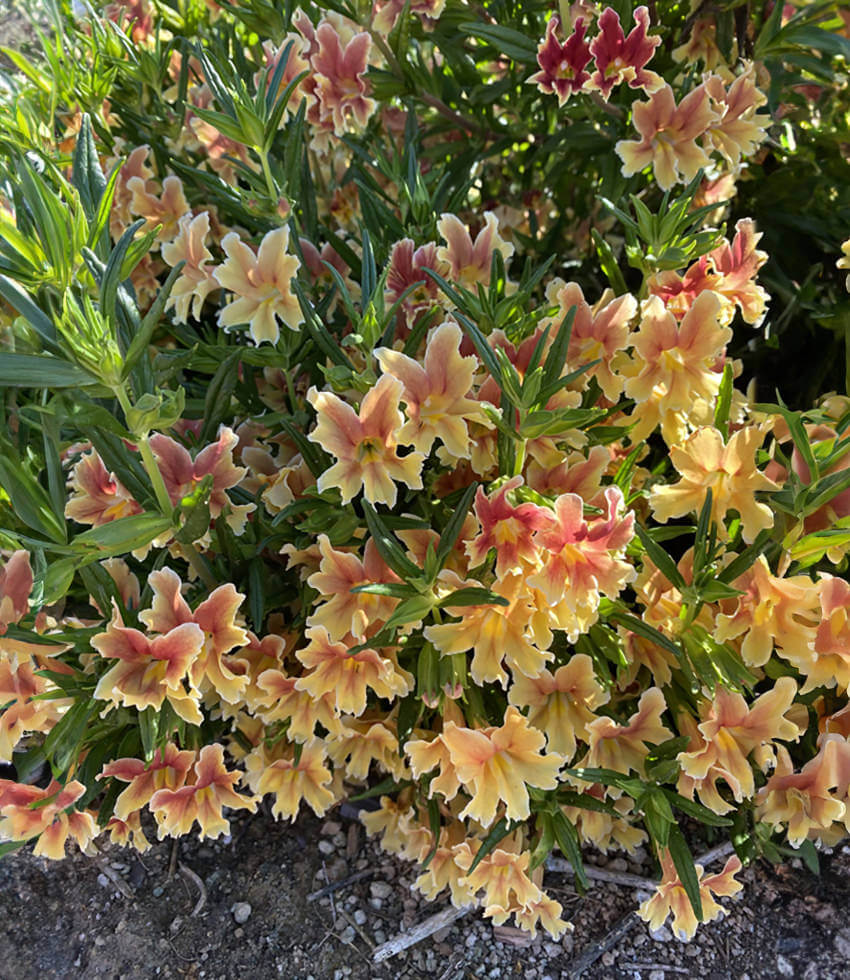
[[704, 462], [181, 474], [496, 765], [365, 443], [599, 333], [828, 664], [730, 729], [436, 392], [561, 704], [469, 262], [333, 669], [296, 63], [503, 875], [29, 811], [358, 743], [261, 281], [339, 81], [562, 64], [27, 702], [97, 497], [196, 280], [623, 59], [203, 800], [507, 529], [811, 801], [729, 271], [216, 618], [443, 871], [406, 268], [281, 701], [425, 756], [739, 131], [150, 671], [669, 135], [345, 612], [276, 771], [496, 633], [624, 747], [167, 770], [165, 210], [584, 558], [670, 896], [674, 361], [771, 612], [15, 587]]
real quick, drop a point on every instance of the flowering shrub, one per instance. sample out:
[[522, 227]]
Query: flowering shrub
[[382, 397]]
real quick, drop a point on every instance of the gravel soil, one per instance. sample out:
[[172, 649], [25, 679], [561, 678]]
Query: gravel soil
[[70, 920]]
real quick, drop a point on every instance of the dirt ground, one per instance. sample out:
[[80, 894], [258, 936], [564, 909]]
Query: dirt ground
[[69, 920]]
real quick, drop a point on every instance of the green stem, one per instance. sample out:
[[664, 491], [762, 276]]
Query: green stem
[[267, 173], [519, 458]]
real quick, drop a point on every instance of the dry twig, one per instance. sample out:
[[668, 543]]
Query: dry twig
[[198, 883], [419, 932]]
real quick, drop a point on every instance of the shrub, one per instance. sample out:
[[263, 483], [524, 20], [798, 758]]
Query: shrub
[[394, 405]]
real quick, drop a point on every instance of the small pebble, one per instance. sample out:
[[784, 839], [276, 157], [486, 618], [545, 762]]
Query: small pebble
[[326, 847], [360, 917], [380, 889], [842, 943], [241, 912], [661, 935], [784, 966], [103, 881], [158, 891], [347, 935]]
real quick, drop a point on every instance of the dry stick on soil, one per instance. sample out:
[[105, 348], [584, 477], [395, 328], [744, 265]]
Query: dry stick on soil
[[198, 883], [335, 886], [112, 874], [419, 932]]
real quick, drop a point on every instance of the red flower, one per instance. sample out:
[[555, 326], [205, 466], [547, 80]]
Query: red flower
[[562, 65], [620, 58]]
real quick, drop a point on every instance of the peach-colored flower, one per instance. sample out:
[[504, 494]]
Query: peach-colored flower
[[583, 558], [503, 876], [216, 618], [729, 470], [29, 811], [729, 270], [469, 262], [599, 333], [261, 282], [811, 801], [345, 612], [195, 281], [624, 747], [828, 665], [576, 473], [165, 210], [443, 871], [623, 59], [495, 633], [435, 392], [176, 810], [739, 131], [668, 136], [562, 64], [296, 63], [772, 612], [673, 367], [434, 754], [339, 84], [496, 765], [670, 896], [276, 771], [150, 671], [128, 833], [508, 529], [97, 497], [182, 474], [729, 731], [361, 741], [15, 587], [24, 706], [561, 703], [332, 669], [281, 701], [365, 443], [167, 770], [700, 44]]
